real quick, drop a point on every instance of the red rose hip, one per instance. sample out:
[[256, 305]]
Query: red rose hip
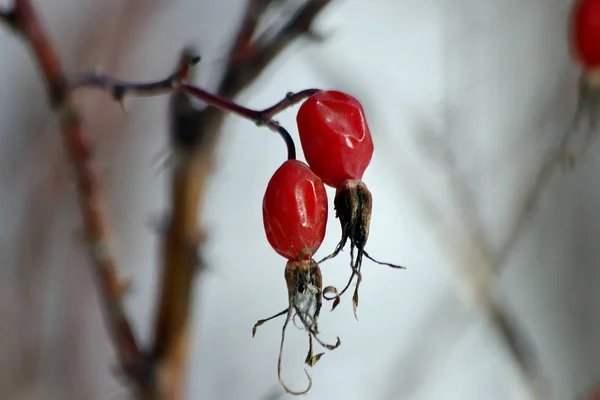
[[295, 216], [585, 48], [335, 136], [295, 211], [338, 147], [586, 32]]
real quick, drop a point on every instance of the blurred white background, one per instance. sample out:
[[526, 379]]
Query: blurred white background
[[464, 97]]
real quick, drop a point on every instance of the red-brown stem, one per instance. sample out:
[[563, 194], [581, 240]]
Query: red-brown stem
[[258, 116], [91, 194], [289, 100], [176, 82]]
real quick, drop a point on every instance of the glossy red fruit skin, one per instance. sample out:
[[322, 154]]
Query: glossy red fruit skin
[[585, 26], [295, 210], [335, 136]]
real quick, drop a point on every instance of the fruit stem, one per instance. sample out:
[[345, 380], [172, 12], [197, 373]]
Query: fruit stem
[[177, 82], [260, 117]]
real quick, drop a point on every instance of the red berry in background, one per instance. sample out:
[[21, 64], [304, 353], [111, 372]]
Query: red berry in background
[[586, 32], [335, 136], [585, 48], [295, 210]]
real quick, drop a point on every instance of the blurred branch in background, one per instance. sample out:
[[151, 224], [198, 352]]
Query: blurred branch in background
[[24, 20], [50, 192], [479, 264], [194, 134], [479, 269]]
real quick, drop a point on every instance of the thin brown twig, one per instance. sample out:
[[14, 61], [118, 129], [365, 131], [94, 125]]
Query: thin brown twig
[[174, 82], [243, 46], [528, 206], [241, 71], [495, 261], [24, 20], [178, 82], [478, 272]]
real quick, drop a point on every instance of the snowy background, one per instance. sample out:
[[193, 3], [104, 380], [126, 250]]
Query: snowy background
[[465, 99]]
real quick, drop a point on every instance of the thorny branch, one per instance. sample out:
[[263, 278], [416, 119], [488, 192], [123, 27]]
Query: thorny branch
[[24, 20], [178, 82]]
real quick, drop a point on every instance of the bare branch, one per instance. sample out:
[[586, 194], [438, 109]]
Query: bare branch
[[178, 82], [478, 271], [244, 67], [119, 89], [24, 19]]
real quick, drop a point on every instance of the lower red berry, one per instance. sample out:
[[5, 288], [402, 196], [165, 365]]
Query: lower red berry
[[295, 210]]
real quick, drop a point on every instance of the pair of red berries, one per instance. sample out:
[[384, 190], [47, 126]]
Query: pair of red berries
[[338, 147]]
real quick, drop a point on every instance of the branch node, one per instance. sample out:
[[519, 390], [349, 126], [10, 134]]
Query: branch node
[[10, 17], [118, 92]]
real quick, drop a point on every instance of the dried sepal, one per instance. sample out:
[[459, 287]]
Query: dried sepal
[[305, 290], [311, 359], [353, 206], [304, 282], [355, 295], [262, 321], [336, 296], [283, 385]]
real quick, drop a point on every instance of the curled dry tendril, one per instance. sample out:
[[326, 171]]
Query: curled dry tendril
[[304, 283], [287, 389]]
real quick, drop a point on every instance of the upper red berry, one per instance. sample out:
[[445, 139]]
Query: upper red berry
[[295, 210], [335, 136], [586, 32]]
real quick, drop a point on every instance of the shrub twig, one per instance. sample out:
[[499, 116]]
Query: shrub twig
[[25, 21]]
